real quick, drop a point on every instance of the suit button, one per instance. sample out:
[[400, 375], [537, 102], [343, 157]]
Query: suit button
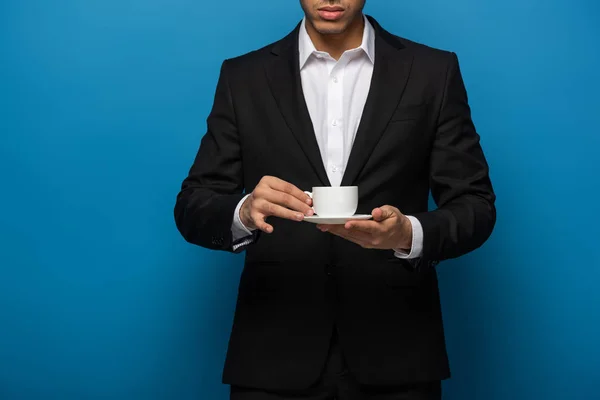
[[434, 263], [329, 270]]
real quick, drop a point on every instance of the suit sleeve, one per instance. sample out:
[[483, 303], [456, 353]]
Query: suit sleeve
[[210, 193], [459, 180]]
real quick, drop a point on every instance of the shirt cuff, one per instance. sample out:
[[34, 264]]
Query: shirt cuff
[[238, 229], [417, 241]]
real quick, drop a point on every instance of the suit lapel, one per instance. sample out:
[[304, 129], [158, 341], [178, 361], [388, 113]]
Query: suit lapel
[[283, 73], [391, 71]]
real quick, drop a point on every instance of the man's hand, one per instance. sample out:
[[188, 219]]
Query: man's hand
[[389, 229], [274, 197]]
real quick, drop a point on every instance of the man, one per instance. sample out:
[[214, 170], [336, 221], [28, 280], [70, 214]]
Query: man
[[343, 311]]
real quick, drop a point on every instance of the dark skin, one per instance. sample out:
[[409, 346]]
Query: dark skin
[[334, 26], [338, 33]]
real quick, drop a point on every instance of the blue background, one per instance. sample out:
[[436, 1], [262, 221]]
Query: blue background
[[102, 106]]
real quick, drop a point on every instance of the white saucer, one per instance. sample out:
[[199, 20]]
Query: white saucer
[[315, 219]]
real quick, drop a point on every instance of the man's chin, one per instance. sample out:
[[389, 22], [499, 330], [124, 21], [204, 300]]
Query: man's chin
[[327, 28]]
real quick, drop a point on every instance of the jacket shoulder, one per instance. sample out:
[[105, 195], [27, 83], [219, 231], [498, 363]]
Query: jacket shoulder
[[424, 51], [254, 58], [429, 61]]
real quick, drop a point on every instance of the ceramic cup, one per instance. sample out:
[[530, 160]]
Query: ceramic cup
[[334, 201]]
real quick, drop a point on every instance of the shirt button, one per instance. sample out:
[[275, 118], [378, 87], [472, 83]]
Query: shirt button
[[335, 79], [334, 168], [334, 122]]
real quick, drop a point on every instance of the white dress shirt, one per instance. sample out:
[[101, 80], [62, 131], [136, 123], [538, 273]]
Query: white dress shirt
[[335, 92]]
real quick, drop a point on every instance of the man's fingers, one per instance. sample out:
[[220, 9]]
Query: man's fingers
[[271, 209], [343, 233], [289, 201], [286, 187], [263, 226], [259, 222], [376, 213], [382, 213], [369, 227]]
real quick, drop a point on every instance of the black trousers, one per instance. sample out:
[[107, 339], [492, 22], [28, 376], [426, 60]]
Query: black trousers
[[336, 383]]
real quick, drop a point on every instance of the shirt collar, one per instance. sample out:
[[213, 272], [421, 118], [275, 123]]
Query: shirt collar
[[307, 48]]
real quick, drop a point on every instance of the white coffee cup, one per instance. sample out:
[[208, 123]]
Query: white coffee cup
[[334, 201]]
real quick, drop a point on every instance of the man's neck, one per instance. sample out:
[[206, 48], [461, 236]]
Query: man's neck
[[337, 44]]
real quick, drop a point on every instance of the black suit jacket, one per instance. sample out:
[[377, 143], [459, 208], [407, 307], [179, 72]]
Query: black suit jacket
[[415, 136]]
